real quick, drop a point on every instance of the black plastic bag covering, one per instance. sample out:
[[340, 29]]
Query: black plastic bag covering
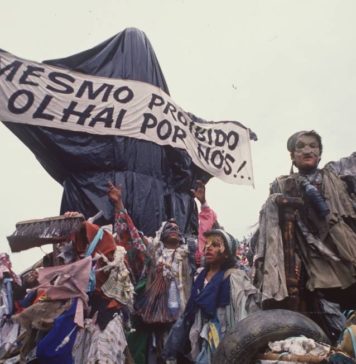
[[156, 180], [335, 319]]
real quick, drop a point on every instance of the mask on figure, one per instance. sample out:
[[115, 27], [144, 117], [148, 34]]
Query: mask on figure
[[171, 234], [305, 148]]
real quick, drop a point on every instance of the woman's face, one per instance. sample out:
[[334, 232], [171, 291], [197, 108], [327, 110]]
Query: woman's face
[[214, 251]]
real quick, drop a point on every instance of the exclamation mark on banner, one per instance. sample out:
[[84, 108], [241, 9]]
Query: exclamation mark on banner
[[239, 169]]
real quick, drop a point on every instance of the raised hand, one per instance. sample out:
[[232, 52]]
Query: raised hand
[[199, 191], [115, 195]]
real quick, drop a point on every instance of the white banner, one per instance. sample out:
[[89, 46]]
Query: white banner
[[37, 94]]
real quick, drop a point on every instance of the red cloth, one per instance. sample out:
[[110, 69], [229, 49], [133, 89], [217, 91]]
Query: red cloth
[[207, 218], [85, 236], [105, 246], [128, 237]]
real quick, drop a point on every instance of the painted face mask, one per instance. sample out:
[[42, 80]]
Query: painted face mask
[[215, 242], [171, 230], [306, 154]]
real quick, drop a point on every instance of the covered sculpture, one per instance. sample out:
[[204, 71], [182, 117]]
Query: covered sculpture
[[161, 176]]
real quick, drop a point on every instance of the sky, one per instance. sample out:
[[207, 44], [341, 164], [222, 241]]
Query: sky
[[277, 66]]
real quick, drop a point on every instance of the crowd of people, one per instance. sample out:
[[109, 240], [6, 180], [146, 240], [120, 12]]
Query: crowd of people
[[111, 294]]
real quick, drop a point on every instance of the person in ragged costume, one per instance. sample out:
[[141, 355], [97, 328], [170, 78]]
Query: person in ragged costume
[[160, 270], [168, 286], [221, 296], [325, 228], [110, 295], [127, 235]]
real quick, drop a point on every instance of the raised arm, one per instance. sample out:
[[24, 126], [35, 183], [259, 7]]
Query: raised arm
[[207, 217]]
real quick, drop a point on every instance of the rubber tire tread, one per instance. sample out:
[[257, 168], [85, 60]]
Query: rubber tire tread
[[253, 334]]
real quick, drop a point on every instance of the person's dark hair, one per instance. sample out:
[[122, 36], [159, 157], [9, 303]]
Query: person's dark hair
[[292, 140], [230, 262]]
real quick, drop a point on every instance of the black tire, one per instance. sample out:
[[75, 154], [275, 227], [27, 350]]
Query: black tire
[[255, 331]]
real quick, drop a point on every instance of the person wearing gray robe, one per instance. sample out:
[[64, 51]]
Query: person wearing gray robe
[[325, 226]]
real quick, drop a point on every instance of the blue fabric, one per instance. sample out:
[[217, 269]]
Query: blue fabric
[[204, 357], [215, 294], [56, 346], [98, 236], [28, 299], [9, 296], [339, 358], [92, 279], [177, 339]]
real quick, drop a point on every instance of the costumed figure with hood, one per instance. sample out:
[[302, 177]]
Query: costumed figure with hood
[[168, 286], [309, 255]]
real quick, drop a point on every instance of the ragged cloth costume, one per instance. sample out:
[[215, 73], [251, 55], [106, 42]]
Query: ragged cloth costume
[[85, 306], [325, 246], [166, 292], [170, 271]]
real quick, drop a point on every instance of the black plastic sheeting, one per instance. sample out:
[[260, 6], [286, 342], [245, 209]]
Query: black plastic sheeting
[[156, 180]]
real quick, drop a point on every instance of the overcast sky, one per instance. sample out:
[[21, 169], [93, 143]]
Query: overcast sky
[[278, 66]]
